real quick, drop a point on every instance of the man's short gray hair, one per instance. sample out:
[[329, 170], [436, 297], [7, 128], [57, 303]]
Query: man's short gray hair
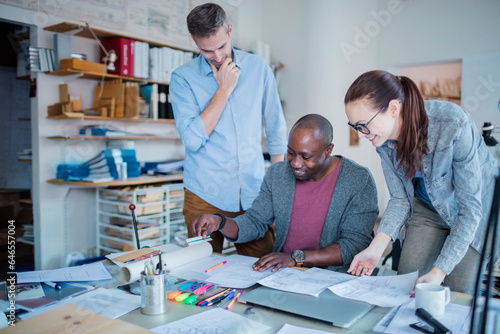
[[204, 20]]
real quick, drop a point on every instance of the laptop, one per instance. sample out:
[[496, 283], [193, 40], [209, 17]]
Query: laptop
[[329, 307]]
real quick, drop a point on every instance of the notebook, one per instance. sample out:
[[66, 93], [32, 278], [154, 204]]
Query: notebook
[[341, 312]]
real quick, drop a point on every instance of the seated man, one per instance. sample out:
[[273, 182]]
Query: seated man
[[324, 206]]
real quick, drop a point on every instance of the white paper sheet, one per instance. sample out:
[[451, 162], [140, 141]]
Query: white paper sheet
[[309, 282], [384, 291], [196, 269], [110, 303], [213, 321], [290, 329], [456, 319], [237, 272], [89, 272]]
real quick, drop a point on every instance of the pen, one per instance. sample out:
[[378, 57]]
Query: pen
[[234, 299], [220, 264], [226, 300], [220, 298], [205, 302], [53, 285]]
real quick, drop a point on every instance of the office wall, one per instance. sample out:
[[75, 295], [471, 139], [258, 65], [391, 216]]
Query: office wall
[[325, 45], [309, 38], [434, 32]]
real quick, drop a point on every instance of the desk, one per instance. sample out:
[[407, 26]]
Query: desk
[[273, 318]]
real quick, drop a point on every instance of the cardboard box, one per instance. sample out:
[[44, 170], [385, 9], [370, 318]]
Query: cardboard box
[[82, 65]]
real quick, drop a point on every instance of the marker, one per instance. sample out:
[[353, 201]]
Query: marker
[[53, 285], [220, 264], [234, 300], [203, 289]]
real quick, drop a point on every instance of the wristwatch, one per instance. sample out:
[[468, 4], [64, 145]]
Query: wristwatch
[[299, 257], [223, 222]]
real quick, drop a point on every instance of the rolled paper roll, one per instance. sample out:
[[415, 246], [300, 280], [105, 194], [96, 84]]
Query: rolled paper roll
[[132, 272]]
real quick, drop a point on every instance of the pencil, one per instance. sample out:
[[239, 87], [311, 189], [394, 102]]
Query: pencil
[[234, 300], [220, 264]]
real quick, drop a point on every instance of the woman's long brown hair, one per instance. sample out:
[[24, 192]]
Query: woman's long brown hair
[[379, 88]]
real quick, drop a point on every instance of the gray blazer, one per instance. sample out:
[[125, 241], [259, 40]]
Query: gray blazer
[[349, 222]]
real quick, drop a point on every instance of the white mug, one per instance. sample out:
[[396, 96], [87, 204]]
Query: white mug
[[432, 298]]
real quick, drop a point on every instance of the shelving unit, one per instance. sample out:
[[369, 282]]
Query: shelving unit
[[84, 31], [158, 199], [120, 183], [121, 119], [158, 211], [114, 137]]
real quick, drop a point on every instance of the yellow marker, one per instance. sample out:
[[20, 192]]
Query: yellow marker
[[182, 296]]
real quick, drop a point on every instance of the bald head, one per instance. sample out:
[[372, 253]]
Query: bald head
[[323, 130]]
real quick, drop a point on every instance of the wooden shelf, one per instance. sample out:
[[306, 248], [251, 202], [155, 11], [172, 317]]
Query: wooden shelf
[[26, 201], [24, 160], [84, 31], [123, 119], [130, 181], [99, 76], [24, 119], [114, 137]]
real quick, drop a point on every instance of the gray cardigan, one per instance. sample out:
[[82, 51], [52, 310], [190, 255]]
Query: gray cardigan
[[349, 222]]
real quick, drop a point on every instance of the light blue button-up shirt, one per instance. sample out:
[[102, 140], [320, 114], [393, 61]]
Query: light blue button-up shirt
[[226, 168]]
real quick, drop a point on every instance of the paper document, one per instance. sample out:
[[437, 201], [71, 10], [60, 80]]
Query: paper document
[[213, 321], [237, 272], [309, 282], [456, 319], [111, 303], [88, 272], [384, 291]]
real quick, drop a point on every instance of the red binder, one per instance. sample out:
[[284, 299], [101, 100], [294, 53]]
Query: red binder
[[122, 48]]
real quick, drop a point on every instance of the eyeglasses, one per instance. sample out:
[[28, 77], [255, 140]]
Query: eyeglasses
[[363, 128]]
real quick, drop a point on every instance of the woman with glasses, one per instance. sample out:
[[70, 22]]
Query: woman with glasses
[[439, 173]]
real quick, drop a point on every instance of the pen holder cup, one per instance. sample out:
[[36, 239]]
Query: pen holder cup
[[153, 297]]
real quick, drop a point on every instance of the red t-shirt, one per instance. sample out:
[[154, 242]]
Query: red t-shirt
[[310, 207]]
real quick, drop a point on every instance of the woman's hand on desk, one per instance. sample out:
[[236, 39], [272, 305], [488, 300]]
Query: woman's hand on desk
[[276, 260], [365, 261]]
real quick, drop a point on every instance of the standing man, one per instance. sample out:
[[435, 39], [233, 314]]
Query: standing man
[[220, 101]]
